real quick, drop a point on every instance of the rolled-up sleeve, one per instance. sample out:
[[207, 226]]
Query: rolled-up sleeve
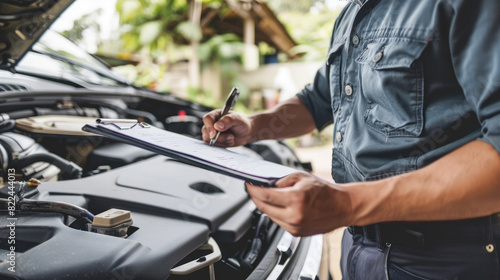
[[475, 49], [316, 97]]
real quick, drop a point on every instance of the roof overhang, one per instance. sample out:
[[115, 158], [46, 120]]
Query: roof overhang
[[268, 28]]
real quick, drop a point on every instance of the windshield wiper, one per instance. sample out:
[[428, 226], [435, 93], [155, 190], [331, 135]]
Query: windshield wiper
[[96, 70], [75, 82]]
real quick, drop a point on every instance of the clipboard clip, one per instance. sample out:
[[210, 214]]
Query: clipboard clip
[[123, 124]]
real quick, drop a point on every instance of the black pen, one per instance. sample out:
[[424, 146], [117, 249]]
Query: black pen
[[228, 106]]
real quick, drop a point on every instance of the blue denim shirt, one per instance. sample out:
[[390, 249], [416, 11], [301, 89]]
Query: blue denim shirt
[[407, 82]]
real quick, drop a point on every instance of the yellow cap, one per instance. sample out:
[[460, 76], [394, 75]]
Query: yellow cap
[[111, 218]]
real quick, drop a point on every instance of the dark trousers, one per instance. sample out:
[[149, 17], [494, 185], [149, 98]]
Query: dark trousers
[[460, 256]]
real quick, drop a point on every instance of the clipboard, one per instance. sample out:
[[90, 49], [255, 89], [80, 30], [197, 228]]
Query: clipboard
[[191, 151]]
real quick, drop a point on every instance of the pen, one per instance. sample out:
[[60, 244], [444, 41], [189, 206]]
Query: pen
[[228, 106], [106, 121]]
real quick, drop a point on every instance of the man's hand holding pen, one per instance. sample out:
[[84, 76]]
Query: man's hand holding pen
[[226, 129], [235, 129]]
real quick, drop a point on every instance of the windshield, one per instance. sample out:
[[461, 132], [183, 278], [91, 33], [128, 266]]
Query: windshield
[[52, 42], [56, 57]]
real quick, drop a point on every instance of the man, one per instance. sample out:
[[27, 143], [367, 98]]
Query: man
[[413, 88]]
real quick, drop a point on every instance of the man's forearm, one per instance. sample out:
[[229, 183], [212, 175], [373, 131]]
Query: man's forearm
[[289, 119], [463, 184]]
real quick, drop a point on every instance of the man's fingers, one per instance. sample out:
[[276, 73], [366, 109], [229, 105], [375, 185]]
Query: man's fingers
[[283, 216], [205, 135], [212, 124], [275, 214], [225, 140], [279, 214], [226, 122], [291, 179], [271, 210], [268, 195], [209, 119]]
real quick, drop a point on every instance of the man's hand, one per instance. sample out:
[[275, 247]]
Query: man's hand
[[304, 204], [234, 128], [289, 119]]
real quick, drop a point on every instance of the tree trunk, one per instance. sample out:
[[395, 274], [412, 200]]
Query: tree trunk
[[194, 61]]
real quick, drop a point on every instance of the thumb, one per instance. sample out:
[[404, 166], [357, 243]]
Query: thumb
[[290, 180]]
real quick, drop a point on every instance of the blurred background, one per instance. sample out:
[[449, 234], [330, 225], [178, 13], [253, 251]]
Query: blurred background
[[199, 49]]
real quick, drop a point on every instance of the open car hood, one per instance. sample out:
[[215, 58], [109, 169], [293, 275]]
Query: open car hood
[[22, 22]]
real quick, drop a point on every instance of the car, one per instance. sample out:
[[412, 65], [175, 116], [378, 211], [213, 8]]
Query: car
[[74, 205]]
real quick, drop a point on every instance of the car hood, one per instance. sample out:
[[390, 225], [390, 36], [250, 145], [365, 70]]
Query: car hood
[[22, 22]]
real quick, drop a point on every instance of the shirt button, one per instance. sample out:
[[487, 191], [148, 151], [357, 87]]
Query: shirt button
[[338, 136], [348, 90], [490, 248], [378, 56], [355, 40]]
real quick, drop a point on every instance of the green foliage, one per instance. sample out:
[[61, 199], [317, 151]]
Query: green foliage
[[86, 22], [221, 48], [311, 31], [189, 31], [203, 97], [310, 28], [160, 30], [150, 32], [150, 25]]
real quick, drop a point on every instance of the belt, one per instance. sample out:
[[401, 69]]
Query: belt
[[423, 235]]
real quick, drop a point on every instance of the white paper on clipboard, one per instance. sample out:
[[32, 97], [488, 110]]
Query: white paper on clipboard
[[194, 152]]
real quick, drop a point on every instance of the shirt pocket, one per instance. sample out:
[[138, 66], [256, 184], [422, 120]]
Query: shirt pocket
[[392, 84], [334, 66]]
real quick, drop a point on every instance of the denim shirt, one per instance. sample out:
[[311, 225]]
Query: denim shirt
[[407, 82]]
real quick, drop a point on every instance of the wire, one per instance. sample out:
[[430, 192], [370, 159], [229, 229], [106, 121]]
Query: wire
[[69, 170], [56, 206]]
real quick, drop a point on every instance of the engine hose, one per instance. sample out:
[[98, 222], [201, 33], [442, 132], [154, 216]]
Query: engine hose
[[55, 206], [144, 114], [18, 114], [69, 170], [7, 125], [259, 243]]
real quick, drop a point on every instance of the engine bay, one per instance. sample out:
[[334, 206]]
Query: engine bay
[[87, 207]]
